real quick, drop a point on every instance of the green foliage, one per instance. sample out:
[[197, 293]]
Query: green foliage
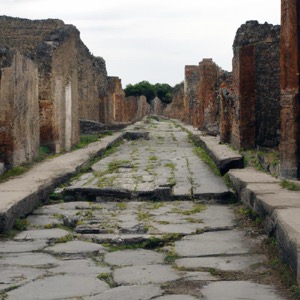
[[161, 90], [13, 172], [85, 139], [288, 185], [20, 224]]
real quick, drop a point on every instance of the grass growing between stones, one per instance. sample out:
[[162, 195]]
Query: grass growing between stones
[[199, 207], [288, 185], [150, 244], [107, 277], [276, 271]]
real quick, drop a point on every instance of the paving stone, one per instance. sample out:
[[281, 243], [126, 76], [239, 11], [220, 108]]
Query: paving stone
[[22, 246], [11, 276], [138, 257], [54, 233], [198, 276], [79, 267], [212, 243], [236, 290], [42, 221], [135, 292], [224, 263], [176, 297], [145, 274], [75, 247], [59, 287], [187, 228], [37, 260]]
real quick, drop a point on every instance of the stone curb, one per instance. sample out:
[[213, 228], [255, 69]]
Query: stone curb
[[279, 208], [20, 195], [224, 157]]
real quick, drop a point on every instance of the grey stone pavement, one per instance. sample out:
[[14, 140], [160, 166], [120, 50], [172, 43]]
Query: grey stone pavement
[[105, 241]]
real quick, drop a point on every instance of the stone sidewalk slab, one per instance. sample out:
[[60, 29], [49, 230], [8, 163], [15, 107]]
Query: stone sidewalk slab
[[224, 157], [20, 195], [278, 207]]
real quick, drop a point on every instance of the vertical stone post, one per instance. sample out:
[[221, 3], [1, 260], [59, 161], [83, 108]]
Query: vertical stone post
[[290, 98]]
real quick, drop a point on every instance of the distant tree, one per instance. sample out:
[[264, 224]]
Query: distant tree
[[161, 90]]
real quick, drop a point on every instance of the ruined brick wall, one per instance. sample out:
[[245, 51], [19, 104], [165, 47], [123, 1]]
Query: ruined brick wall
[[92, 84], [191, 81], [253, 97], [19, 109], [208, 106], [113, 107], [175, 109], [143, 108], [156, 106], [290, 85], [52, 46]]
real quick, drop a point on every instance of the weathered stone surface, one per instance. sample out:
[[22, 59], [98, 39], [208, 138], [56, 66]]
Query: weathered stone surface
[[144, 274], [176, 297], [75, 247], [60, 287], [41, 234], [11, 276], [212, 243], [135, 292], [134, 258], [21, 246], [246, 99], [79, 267], [176, 109], [290, 104], [19, 109], [235, 290], [37, 260], [225, 263]]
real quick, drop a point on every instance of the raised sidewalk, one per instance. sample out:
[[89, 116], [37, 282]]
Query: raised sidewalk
[[279, 208], [20, 195]]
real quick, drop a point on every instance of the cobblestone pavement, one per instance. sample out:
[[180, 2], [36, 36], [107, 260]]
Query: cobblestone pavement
[[107, 247]]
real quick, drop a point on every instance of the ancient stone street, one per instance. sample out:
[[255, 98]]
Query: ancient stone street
[[148, 221]]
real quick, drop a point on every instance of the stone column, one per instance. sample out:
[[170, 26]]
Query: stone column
[[290, 99]]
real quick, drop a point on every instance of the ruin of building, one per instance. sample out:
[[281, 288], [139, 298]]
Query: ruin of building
[[290, 84], [251, 99]]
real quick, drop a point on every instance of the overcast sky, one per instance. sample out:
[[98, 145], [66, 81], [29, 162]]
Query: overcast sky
[[152, 39]]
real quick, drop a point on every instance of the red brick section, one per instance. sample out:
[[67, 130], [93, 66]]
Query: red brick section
[[207, 118], [190, 93], [290, 99], [247, 97]]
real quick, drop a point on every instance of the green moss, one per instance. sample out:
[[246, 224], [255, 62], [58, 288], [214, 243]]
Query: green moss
[[122, 205], [20, 224], [64, 239], [14, 172], [153, 158], [196, 209], [288, 185], [106, 277], [202, 154]]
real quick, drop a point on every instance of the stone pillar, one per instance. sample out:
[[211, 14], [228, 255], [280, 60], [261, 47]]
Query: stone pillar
[[190, 93], [207, 98], [290, 98]]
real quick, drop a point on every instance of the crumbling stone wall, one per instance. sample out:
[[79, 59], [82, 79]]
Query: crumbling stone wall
[[52, 46], [191, 81], [290, 84], [252, 102], [176, 109], [19, 109], [156, 106], [208, 106], [200, 99], [92, 84], [117, 108]]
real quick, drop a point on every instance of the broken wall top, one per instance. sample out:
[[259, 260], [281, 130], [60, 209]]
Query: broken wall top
[[252, 32]]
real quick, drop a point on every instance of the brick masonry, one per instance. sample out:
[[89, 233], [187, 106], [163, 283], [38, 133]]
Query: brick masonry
[[290, 98]]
